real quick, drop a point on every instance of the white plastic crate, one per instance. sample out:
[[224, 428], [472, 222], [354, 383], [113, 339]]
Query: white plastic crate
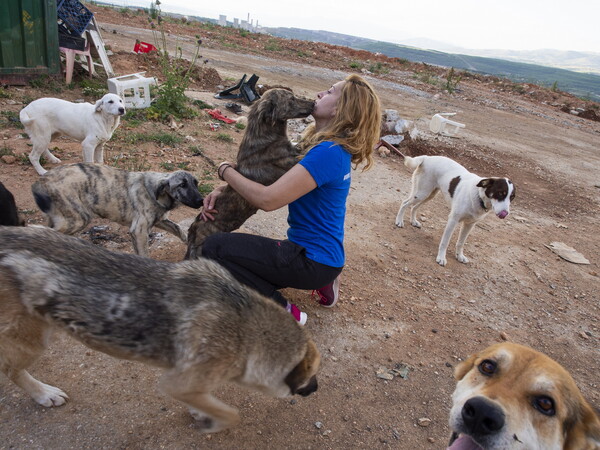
[[134, 89]]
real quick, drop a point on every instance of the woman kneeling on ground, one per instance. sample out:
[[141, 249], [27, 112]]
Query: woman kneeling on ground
[[346, 129]]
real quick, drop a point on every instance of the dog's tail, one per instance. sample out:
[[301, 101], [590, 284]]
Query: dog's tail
[[42, 199], [413, 163], [24, 117]]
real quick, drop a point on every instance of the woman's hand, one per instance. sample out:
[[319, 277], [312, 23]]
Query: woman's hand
[[209, 204]]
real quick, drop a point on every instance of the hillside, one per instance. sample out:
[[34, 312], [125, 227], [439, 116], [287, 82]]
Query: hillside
[[585, 85]]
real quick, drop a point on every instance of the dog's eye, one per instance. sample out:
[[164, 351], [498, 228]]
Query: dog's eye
[[110, 101], [545, 405], [183, 183], [488, 367]]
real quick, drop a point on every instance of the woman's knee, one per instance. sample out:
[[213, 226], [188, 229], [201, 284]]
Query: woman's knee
[[211, 248]]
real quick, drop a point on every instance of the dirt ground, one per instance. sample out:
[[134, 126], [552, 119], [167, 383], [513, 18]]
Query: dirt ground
[[397, 307]]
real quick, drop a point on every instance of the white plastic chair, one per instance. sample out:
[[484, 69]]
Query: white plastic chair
[[441, 125], [134, 89]]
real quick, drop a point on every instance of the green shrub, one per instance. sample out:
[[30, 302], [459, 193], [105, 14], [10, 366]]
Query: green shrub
[[201, 105], [93, 88], [10, 119], [272, 46], [168, 139], [6, 151], [168, 166], [452, 80], [224, 137], [171, 99], [205, 188]]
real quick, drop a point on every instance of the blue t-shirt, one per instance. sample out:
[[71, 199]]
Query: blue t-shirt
[[316, 219]]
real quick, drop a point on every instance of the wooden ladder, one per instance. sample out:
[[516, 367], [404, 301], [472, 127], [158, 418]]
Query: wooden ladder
[[94, 33]]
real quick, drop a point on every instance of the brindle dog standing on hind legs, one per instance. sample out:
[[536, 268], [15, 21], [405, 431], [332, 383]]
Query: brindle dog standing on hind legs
[[265, 154]]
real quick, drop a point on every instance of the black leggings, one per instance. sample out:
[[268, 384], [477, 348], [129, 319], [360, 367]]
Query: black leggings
[[267, 265]]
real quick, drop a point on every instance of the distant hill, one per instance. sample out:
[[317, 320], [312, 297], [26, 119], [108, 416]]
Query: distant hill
[[584, 85]]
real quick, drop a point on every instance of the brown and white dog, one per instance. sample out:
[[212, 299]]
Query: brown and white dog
[[509, 396], [470, 197]]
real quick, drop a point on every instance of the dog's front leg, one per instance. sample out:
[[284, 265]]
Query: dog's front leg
[[88, 146], [212, 414], [450, 226], [42, 393], [460, 243], [139, 232], [173, 228], [99, 153]]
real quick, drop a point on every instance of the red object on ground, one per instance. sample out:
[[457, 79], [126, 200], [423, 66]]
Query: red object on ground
[[217, 115], [143, 47]]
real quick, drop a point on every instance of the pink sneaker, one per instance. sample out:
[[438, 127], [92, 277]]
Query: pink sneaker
[[300, 316], [329, 295]]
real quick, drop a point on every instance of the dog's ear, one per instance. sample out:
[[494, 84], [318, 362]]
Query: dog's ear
[[485, 182], [162, 187], [464, 367], [265, 110], [583, 431], [99, 105]]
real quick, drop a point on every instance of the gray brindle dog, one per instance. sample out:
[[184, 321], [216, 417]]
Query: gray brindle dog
[[265, 154], [190, 318], [72, 195]]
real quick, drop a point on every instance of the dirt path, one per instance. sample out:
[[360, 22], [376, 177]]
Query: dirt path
[[397, 306]]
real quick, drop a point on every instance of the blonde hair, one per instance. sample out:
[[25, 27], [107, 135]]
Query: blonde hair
[[356, 125]]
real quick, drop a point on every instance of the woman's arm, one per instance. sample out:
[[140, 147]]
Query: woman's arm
[[292, 185]]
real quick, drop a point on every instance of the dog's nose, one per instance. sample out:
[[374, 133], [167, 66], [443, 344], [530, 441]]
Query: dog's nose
[[121, 110], [197, 202], [481, 417]]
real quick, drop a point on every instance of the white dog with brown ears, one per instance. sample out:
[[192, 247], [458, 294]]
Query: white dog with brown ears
[[509, 396], [47, 118], [470, 197]]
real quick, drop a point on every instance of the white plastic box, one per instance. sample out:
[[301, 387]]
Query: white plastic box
[[134, 89]]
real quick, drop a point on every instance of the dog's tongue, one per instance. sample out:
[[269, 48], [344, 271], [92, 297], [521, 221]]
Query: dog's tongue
[[502, 214], [464, 442]]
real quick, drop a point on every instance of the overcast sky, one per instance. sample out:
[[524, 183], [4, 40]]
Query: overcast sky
[[475, 24]]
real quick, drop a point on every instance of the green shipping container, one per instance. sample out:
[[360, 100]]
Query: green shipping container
[[28, 40]]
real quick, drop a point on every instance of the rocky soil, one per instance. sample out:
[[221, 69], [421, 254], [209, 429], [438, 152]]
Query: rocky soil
[[398, 308]]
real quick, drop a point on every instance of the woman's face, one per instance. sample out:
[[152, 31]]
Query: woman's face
[[325, 106]]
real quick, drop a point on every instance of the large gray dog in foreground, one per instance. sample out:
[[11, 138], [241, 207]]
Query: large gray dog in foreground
[[265, 154], [191, 318], [72, 195]]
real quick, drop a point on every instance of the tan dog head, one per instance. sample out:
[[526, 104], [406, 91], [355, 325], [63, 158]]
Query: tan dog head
[[302, 380], [509, 396]]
